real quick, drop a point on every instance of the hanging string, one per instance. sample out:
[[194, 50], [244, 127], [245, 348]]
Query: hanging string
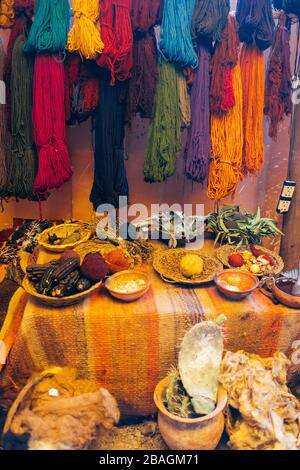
[[197, 152], [224, 59], [24, 158], [256, 22], [184, 101], [226, 165], [54, 166], [50, 27], [252, 69], [278, 101], [7, 13], [3, 134], [175, 44], [142, 86], [81, 89], [209, 19], [164, 141], [117, 37], [110, 181], [85, 35]]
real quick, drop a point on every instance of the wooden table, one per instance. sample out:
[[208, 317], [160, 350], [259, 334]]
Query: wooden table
[[128, 348]]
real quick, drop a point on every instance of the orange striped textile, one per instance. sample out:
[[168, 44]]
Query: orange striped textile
[[128, 348]]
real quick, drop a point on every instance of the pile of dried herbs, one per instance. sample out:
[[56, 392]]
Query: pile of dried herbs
[[233, 226]]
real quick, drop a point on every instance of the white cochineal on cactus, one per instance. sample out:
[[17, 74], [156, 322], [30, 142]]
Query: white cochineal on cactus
[[199, 364]]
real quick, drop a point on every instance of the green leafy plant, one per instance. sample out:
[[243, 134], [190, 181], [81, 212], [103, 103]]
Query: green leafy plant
[[233, 226]]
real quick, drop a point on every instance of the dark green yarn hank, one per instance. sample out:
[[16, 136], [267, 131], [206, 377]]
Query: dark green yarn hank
[[23, 157]]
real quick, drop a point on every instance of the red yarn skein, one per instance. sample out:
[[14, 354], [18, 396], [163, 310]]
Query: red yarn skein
[[54, 167], [116, 31]]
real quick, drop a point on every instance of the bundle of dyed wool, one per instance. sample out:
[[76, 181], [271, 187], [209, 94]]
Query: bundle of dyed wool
[[110, 181], [278, 102], [252, 68], [197, 152], [24, 7], [85, 35], [117, 36], [209, 20], [3, 133], [54, 166], [81, 89], [291, 6], [69, 419], [175, 43], [226, 167], [24, 159], [22, 24], [184, 101], [256, 22], [224, 59], [7, 13], [164, 141], [50, 27], [142, 86]]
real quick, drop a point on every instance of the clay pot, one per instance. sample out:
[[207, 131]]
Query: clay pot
[[284, 297], [190, 434]]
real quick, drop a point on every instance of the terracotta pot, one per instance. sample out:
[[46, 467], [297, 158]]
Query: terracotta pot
[[190, 434]]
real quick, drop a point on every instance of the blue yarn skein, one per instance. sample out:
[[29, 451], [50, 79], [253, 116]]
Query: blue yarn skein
[[175, 43]]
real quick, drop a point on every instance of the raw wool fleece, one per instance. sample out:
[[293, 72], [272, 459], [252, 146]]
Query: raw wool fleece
[[266, 415], [69, 421]]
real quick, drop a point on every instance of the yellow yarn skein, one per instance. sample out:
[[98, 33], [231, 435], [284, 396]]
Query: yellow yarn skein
[[7, 14], [85, 35]]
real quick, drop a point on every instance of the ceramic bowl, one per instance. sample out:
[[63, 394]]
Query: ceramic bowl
[[233, 295], [124, 276], [282, 296]]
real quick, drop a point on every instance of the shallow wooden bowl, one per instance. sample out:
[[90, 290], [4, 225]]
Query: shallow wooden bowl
[[283, 297], [57, 302]]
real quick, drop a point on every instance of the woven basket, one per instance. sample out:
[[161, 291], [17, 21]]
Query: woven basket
[[63, 231], [167, 264], [57, 302], [94, 246], [225, 251]]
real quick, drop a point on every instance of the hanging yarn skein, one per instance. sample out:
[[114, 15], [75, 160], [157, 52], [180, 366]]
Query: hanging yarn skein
[[142, 86], [197, 152], [252, 69], [175, 44], [227, 137], [117, 36], [24, 7], [3, 134], [184, 101], [7, 13], [278, 101], [164, 141], [81, 88], [50, 28], [209, 19], [85, 35], [24, 159], [54, 166], [110, 180], [256, 22], [224, 59]]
